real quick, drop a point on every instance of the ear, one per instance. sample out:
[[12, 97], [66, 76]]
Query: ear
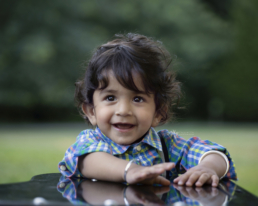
[[158, 117], [88, 110], [156, 120]]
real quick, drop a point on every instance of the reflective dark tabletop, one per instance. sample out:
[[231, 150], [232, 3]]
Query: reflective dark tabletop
[[54, 189]]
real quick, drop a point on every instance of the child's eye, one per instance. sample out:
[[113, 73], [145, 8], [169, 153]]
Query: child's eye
[[110, 98], [138, 99]]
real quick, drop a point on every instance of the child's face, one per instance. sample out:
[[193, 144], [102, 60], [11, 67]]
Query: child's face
[[122, 114]]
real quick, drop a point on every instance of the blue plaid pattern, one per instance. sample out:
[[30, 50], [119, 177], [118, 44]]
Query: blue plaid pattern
[[184, 153]]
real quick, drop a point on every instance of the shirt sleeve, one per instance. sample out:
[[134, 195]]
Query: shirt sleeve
[[86, 142], [186, 153]]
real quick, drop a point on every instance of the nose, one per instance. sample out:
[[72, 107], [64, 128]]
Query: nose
[[123, 109]]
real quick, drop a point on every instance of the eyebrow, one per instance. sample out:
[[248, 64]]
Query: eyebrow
[[107, 91], [115, 91]]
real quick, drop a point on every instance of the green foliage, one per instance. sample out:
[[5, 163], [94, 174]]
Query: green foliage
[[237, 83], [43, 45]]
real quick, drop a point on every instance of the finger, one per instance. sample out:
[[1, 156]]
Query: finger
[[158, 169], [192, 179], [215, 180], [175, 181], [151, 177], [182, 179], [169, 166], [150, 172], [204, 178], [162, 181], [153, 170], [139, 174], [135, 175], [145, 179], [165, 166]]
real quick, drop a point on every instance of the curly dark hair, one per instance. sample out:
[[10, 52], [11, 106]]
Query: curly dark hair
[[125, 55]]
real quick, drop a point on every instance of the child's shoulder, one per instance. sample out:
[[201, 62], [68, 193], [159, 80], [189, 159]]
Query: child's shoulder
[[174, 137], [170, 137], [168, 134], [87, 133]]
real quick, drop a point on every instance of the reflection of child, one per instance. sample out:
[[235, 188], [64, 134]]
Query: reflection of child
[[126, 92], [83, 191]]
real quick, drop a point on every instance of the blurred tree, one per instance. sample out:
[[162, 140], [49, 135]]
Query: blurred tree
[[221, 8], [236, 84], [43, 44]]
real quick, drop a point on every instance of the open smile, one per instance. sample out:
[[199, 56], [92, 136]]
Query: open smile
[[123, 126]]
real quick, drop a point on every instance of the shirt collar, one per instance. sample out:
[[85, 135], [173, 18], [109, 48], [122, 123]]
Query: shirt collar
[[151, 138]]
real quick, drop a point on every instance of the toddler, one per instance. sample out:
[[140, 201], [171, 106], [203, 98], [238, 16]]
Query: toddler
[[126, 92]]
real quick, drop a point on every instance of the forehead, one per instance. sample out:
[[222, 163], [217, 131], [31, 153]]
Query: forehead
[[114, 82]]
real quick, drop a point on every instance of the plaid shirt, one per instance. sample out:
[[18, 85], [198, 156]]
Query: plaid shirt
[[184, 153]]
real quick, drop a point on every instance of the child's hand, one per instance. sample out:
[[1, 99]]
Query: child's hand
[[148, 175], [198, 176], [208, 171]]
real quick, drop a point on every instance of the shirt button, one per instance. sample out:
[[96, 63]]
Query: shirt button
[[63, 168], [138, 148], [62, 185]]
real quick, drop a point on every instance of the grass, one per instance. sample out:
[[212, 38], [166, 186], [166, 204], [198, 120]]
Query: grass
[[32, 149]]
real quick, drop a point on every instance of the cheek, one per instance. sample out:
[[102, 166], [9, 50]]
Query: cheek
[[146, 116], [103, 114]]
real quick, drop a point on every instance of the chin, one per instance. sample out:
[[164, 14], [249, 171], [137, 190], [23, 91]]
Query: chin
[[124, 143]]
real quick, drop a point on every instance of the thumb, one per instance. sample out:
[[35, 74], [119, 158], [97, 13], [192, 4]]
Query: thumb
[[162, 181]]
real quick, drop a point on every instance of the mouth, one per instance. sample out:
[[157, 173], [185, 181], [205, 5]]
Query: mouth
[[123, 126]]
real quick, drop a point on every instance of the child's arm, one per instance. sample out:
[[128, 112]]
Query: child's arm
[[103, 166], [210, 169]]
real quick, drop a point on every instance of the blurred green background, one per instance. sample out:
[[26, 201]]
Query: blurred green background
[[44, 45]]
